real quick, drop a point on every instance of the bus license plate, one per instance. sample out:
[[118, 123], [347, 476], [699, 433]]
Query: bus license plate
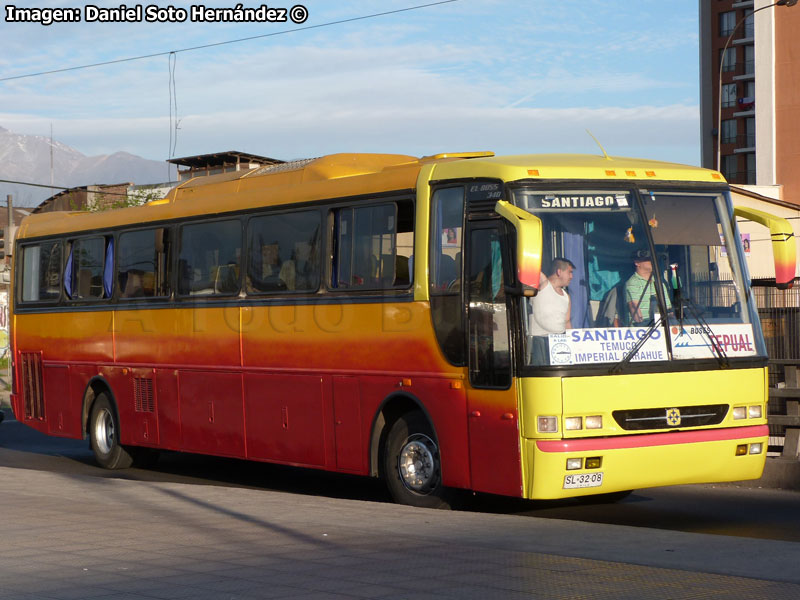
[[583, 480]]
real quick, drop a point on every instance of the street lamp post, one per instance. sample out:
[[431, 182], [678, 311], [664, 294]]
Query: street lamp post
[[721, 64]]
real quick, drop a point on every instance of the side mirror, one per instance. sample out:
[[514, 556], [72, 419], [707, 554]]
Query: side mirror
[[529, 245], [784, 246]]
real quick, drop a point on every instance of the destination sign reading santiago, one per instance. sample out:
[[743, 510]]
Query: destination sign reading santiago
[[577, 201]]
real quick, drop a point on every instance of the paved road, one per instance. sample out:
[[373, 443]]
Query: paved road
[[211, 528]]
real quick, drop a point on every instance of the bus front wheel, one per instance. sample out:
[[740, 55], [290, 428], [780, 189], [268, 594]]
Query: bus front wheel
[[104, 435], [412, 465]]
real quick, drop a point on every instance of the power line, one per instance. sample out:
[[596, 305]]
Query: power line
[[41, 185], [236, 41], [173, 104]]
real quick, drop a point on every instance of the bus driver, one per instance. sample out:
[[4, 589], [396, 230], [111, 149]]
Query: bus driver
[[640, 290]]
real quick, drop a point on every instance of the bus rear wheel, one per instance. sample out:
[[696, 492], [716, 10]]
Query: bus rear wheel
[[412, 466], [104, 435]]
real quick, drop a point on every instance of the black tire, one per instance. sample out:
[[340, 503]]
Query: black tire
[[104, 435], [412, 467]]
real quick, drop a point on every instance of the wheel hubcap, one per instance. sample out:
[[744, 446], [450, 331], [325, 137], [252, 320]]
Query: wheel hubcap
[[104, 432], [417, 464]]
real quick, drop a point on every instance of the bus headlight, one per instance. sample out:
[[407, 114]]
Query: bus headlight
[[573, 423], [739, 412], [547, 424], [573, 464], [594, 422], [756, 448], [754, 412]]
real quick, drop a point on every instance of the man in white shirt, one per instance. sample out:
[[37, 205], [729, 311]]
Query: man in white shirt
[[551, 308]]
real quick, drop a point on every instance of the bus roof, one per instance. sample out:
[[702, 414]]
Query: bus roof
[[351, 175], [575, 166]]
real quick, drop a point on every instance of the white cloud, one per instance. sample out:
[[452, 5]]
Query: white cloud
[[501, 75], [665, 133]]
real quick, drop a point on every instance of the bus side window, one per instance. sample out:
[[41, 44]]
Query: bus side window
[[283, 252], [142, 264], [489, 344], [373, 246], [88, 272], [41, 272], [210, 258], [445, 271]]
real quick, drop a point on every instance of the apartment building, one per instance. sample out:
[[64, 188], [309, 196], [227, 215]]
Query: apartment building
[[750, 69]]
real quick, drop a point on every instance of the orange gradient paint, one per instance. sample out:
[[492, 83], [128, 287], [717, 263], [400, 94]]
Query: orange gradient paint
[[784, 246]]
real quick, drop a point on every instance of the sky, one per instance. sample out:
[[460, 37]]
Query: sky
[[510, 76]]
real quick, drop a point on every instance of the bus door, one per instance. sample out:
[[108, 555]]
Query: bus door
[[491, 397]]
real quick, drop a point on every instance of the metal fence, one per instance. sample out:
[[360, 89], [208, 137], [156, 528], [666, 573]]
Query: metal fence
[[779, 311]]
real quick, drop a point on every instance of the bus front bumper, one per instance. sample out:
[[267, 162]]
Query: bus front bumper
[[640, 461]]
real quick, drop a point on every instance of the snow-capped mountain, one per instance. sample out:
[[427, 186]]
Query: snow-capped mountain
[[27, 158]]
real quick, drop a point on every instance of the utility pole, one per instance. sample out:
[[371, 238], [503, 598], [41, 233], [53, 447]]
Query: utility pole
[[8, 241]]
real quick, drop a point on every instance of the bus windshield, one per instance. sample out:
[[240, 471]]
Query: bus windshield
[[637, 276]]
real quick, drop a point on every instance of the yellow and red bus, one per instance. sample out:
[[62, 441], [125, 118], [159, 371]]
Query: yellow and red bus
[[374, 315]]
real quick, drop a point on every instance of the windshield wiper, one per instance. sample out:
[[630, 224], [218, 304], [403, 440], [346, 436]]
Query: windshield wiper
[[716, 349], [681, 301], [617, 368]]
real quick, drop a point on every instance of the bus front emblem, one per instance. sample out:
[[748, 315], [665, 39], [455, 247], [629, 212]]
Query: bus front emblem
[[673, 417]]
